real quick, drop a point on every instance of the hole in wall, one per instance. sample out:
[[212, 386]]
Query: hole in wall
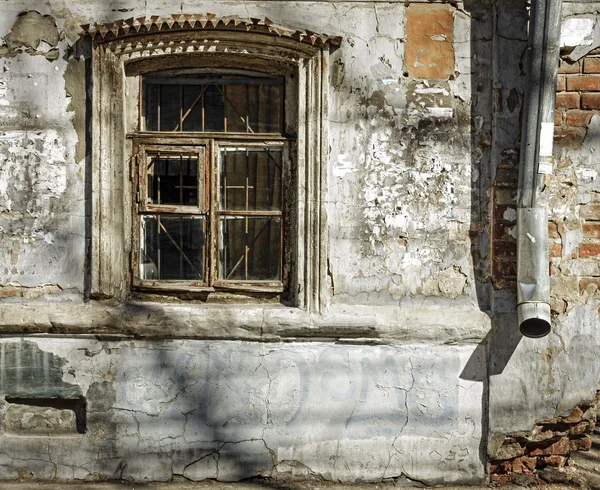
[[31, 416]]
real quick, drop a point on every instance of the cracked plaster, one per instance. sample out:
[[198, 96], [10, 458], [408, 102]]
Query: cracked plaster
[[231, 410]]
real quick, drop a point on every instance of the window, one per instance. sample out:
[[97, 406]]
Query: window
[[211, 213], [209, 151]]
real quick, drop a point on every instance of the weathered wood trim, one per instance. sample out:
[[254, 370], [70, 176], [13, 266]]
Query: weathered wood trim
[[115, 185]]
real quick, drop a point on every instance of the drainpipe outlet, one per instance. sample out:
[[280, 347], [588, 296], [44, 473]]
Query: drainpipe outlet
[[534, 319], [533, 281]]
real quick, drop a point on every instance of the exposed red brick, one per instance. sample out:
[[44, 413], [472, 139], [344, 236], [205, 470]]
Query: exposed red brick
[[569, 138], [27, 292], [589, 250], [504, 212], [574, 416], [582, 427], [591, 230], [579, 119], [583, 83], [429, 51], [502, 230], [558, 117], [553, 230], [591, 65], [499, 479], [558, 461], [555, 250], [524, 464], [590, 101], [502, 248], [561, 83], [570, 68], [505, 196], [560, 447], [584, 282], [568, 100], [506, 269], [581, 444], [590, 212]]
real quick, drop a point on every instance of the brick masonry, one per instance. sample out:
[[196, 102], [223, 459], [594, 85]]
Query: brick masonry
[[577, 101], [549, 445]]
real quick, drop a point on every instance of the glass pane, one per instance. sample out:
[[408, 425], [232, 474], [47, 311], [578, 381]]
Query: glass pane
[[192, 108], [170, 105], [269, 109], [235, 108], [152, 95], [173, 180], [213, 103], [172, 248], [250, 179], [214, 117], [250, 248]]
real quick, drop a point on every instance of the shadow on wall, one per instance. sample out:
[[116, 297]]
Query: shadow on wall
[[497, 82], [495, 133], [195, 410]]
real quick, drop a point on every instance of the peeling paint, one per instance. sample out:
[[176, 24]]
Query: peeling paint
[[35, 34]]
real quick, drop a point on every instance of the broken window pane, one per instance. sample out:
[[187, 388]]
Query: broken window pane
[[172, 248], [173, 179], [250, 248], [250, 179]]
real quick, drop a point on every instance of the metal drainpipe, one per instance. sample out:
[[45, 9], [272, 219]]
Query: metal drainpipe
[[533, 281]]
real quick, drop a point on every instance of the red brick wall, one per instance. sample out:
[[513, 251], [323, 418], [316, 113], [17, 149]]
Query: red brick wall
[[577, 100]]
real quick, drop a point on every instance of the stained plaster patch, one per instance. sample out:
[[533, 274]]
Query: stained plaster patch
[[32, 33]]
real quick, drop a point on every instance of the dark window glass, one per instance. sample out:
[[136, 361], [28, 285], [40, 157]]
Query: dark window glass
[[250, 248], [172, 248], [213, 103], [250, 179], [173, 180]]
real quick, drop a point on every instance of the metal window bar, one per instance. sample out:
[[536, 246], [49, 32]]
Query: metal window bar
[[247, 249], [178, 247], [158, 112], [224, 92], [221, 86], [244, 120]]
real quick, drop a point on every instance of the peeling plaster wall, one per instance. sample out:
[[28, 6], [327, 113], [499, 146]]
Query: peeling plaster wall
[[395, 378], [41, 184], [534, 380]]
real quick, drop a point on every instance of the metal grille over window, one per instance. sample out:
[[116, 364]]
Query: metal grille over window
[[250, 213], [173, 217], [228, 104], [211, 209]]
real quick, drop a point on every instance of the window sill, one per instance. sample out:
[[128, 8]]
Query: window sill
[[250, 322]]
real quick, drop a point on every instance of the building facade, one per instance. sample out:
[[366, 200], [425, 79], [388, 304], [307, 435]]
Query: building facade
[[278, 239]]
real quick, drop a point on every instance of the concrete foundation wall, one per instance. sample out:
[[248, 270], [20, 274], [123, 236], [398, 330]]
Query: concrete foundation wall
[[231, 410]]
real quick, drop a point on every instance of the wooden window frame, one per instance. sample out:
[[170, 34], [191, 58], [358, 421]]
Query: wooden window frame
[[210, 169], [116, 67]]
